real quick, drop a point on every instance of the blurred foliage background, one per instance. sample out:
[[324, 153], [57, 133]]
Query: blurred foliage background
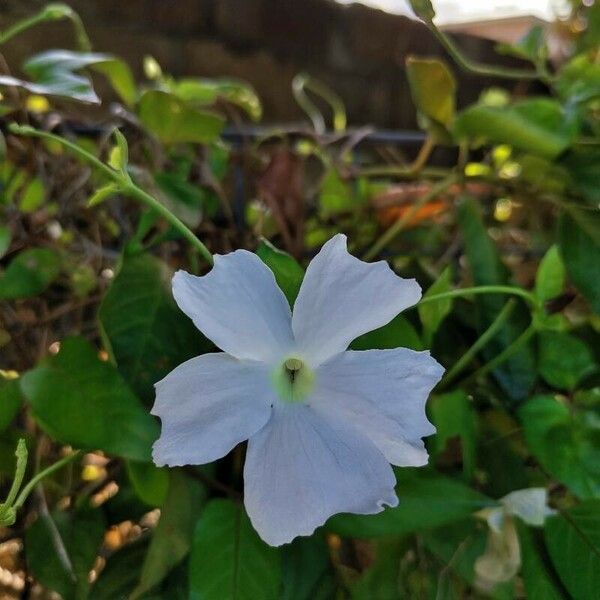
[[493, 206]]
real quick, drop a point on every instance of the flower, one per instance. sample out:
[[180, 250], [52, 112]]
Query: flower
[[501, 560], [323, 423]]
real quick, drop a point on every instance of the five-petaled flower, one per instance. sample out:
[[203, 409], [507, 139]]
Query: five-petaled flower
[[323, 423]]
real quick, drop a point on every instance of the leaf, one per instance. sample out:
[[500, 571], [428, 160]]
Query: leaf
[[537, 125], [573, 542], [10, 401], [244, 567], [454, 417], [82, 401], [102, 193], [518, 373], [65, 569], [121, 78], [427, 500], [33, 196], [532, 46], [173, 121], [186, 198], [288, 273], [433, 89], [537, 578], [5, 239], [398, 333], [563, 359], [336, 196], [306, 570], [381, 580], [433, 313], [29, 273], [564, 444], [172, 538], [581, 254], [55, 73], [150, 483], [550, 277], [148, 334], [207, 91]]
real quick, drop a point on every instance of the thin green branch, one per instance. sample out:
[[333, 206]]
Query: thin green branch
[[504, 355], [483, 339], [52, 12], [483, 289], [59, 464], [7, 508], [400, 224], [125, 184]]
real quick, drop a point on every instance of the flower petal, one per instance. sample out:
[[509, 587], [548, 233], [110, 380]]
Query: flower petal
[[343, 297], [302, 468], [208, 405], [238, 305], [382, 393]]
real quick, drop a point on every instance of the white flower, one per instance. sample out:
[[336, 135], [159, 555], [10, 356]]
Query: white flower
[[322, 423], [501, 560]]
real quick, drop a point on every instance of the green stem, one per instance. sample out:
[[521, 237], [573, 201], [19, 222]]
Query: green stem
[[504, 355], [480, 68], [52, 12], [126, 186], [485, 337], [42, 475], [21, 466], [399, 225], [482, 289], [303, 82]]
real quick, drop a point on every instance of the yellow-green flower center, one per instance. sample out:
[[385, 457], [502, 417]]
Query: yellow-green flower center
[[293, 380]]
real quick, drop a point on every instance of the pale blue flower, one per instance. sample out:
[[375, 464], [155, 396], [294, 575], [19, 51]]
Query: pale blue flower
[[323, 423]]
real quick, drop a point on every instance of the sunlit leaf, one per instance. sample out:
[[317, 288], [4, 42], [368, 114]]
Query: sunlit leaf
[[173, 121]]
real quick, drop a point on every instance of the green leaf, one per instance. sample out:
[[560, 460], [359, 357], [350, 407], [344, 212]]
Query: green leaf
[[203, 92], [433, 313], [183, 198], [150, 483], [65, 569], [532, 46], [398, 333], [537, 578], [563, 359], [433, 89], [581, 254], [427, 500], [565, 444], [454, 417], [148, 334], [518, 373], [103, 193], [381, 581], [120, 77], [29, 273], [538, 125], [244, 567], [173, 121], [33, 196], [550, 277], [5, 239], [336, 196], [573, 542], [172, 537], [306, 570], [288, 273], [82, 401], [10, 401]]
